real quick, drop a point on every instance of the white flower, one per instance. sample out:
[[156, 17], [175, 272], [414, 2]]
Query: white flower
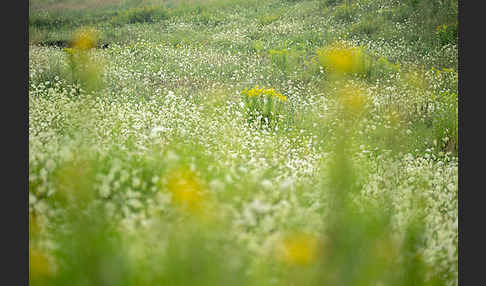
[[156, 130], [451, 186], [41, 206], [286, 184], [259, 207], [105, 191], [135, 203], [172, 157], [216, 185], [32, 199], [248, 218], [110, 208], [228, 179], [50, 164], [267, 184], [136, 182]]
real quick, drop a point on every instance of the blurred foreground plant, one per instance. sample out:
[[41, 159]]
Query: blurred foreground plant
[[341, 59], [85, 71], [186, 190], [344, 60], [361, 243]]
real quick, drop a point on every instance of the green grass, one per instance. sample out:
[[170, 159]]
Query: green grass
[[165, 173]]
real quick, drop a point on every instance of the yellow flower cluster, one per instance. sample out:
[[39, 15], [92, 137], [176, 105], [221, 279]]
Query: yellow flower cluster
[[299, 249], [341, 59], [270, 92], [185, 189], [85, 39]]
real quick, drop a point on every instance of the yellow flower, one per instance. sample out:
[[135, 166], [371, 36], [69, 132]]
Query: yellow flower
[[280, 97], [353, 99], [185, 188], [341, 59], [69, 51], [253, 93], [85, 39], [39, 265], [270, 92], [298, 249]]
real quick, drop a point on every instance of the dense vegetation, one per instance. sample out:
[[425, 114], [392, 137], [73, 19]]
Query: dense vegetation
[[243, 142]]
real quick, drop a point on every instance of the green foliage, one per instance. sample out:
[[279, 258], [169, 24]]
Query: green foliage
[[360, 240], [381, 68], [344, 13], [287, 60], [192, 250], [432, 112], [424, 24], [267, 19], [367, 27], [145, 14], [70, 18], [257, 46], [49, 21], [293, 1], [428, 15], [280, 58], [445, 123], [327, 3], [447, 34], [207, 18]]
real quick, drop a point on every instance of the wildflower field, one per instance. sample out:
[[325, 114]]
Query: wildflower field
[[243, 142]]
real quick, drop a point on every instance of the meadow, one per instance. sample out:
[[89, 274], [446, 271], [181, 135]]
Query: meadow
[[243, 142]]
